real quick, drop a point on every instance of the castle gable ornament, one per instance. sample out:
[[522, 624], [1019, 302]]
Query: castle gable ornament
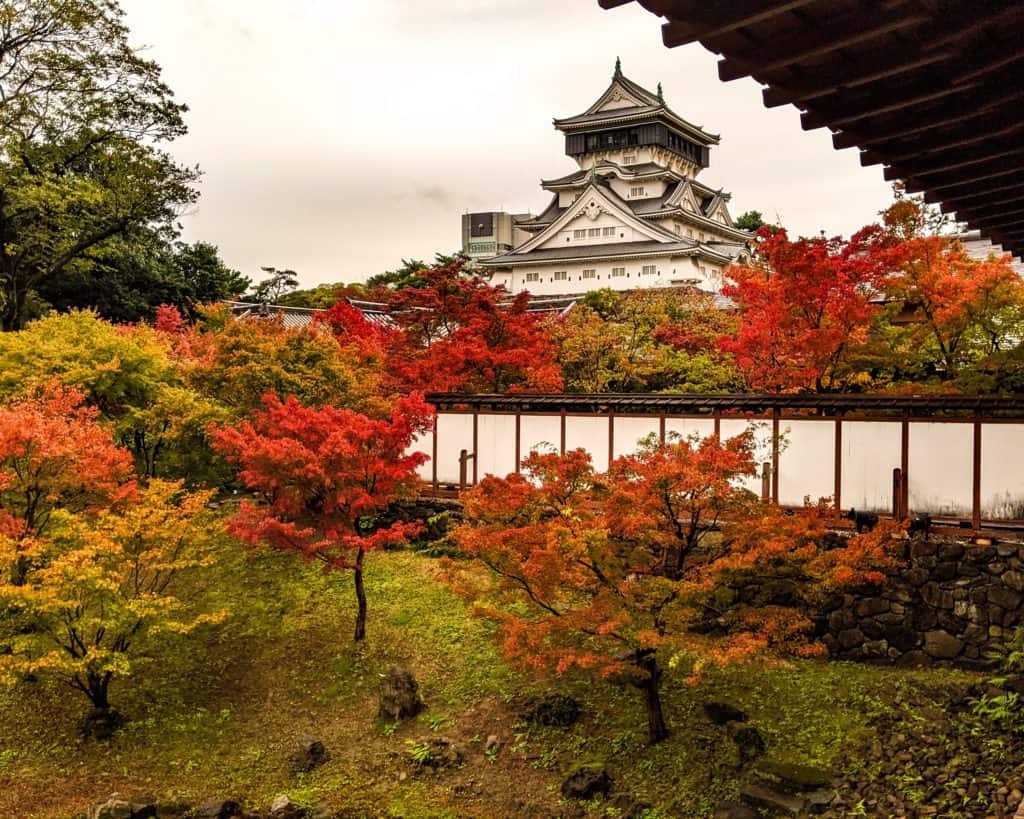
[[593, 210]]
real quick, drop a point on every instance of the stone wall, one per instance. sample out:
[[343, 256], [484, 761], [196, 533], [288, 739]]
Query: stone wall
[[949, 605]]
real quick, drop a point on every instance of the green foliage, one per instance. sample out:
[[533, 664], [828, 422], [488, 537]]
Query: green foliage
[[751, 220], [275, 286], [81, 116], [241, 361], [131, 377], [126, 280], [419, 752], [644, 342], [410, 272]]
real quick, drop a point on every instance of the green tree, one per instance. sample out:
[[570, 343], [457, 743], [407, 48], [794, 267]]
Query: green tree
[[410, 274], [127, 280], [751, 220], [275, 286], [81, 119]]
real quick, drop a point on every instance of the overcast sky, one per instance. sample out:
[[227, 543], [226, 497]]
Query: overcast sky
[[338, 137]]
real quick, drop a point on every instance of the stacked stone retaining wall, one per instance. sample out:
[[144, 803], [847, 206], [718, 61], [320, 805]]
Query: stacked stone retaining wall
[[950, 604]]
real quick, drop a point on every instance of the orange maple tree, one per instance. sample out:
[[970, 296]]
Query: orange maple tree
[[322, 477], [957, 309], [608, 572], [54, 455]]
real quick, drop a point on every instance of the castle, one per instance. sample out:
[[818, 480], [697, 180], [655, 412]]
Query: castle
[[632, 216]]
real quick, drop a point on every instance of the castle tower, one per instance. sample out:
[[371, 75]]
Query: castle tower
[[633, 215]]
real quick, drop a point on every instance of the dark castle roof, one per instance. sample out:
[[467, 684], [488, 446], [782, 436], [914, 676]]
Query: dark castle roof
[[646, 106]]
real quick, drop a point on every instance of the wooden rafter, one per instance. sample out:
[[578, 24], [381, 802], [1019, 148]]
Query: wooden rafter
[[931, 89]]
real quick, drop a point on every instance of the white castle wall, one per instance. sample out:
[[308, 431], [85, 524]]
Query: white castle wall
[[940, 455]]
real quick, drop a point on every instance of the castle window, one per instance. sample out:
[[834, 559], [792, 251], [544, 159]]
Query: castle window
[[560, 276], [649, 270], [629, 159], [636, 192], [589, 274], [533, 277], [594, 232], [618, 271], [608, 231], [579, 234]]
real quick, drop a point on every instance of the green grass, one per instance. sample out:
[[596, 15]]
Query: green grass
[[218, 715]]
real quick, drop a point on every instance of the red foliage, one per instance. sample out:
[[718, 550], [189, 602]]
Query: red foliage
[[458, 334], [55, 455], [322, 476], [805, 306]]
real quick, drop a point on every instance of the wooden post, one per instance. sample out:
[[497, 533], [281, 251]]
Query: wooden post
[[463, 461], [837, 493], [433, 459], [476, 418], [562, 445], [775, 455], [766, 482], [519, 454], [611, 437], [905, 469], [897, 493], [976, 495]]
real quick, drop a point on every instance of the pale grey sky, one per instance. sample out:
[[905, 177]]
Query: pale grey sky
[[339, 136]]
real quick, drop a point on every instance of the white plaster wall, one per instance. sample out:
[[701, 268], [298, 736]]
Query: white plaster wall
[[686, 427], [454, 433], [871, 450], [424, 444], [1002, 471], [652, 187], [668, 269], [806, 461], [591, 433], [537, 430], [731, 427], [496, 445], [630, 431], [940, 468]]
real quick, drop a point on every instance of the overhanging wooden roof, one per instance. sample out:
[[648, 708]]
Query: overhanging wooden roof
[[931, 89]]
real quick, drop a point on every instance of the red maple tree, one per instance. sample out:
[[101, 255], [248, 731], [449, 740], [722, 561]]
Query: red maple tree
[[803, 305], [457, 333], [322, 477]]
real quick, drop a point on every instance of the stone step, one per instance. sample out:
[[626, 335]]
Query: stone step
[[760, 796]]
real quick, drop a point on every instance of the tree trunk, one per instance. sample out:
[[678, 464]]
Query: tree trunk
[[657, 730], [97, 686], [360, 598]]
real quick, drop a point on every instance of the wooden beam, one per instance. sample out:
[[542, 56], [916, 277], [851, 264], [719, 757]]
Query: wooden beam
[[944, 140], [996, 203], [970, 190], [881, 65], [904, 126], [952, 203], [843, 113], [941, 164], [692, 21], [841, 32], [959, 180], [997, 213], [992, 224]]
